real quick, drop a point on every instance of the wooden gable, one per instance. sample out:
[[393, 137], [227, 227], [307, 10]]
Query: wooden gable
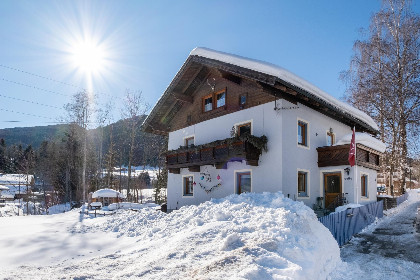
[[182, 103]]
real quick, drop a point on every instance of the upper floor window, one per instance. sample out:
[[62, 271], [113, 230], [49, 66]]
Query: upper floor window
[[330, 138], [214, 100], [189, 141], [302, 133], [208, 103], [220, 99], [242, 101], [364, 185]]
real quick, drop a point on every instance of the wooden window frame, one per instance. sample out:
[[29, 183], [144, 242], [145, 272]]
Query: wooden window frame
[[304, 126], [305, 183], [185, 190], [242, 105], [238, 128], [213, 97], [186, 141], [238, 174], [216, 94], [204, 104], [364, 185]]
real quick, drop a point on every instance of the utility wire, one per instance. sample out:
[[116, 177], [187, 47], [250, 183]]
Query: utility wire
[[27, 114], [28, 101], [39, 76], [34, 87]]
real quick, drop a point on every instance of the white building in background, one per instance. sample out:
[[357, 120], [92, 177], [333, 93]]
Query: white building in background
[[18, 184], [215, 96]]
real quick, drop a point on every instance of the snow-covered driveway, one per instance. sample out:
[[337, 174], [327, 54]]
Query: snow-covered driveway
[[388, 249]]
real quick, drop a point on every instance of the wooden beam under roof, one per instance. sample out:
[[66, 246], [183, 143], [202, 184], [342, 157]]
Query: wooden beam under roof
[[182, 97]]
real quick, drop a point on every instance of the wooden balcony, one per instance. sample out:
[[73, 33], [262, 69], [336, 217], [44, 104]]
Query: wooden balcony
[[217, 153], [338, 155]]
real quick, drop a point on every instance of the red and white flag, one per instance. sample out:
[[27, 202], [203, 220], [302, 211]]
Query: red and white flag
[[352, 152]]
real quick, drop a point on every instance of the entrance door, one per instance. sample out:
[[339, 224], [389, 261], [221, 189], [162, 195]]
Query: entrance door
[[332, 187]]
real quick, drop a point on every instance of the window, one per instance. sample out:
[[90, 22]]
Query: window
[[302, 184], [363, 185], [221, 99], [302, 133], [188, 185], [214, 100], [242, 101], [243, 182], [330, 138], [208, 103], [243, 128], [189, 141]]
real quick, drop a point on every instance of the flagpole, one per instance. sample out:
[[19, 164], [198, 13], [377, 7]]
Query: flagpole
[[355, 166]]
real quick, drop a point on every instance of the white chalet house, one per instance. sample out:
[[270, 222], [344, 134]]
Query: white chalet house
[[221, 111]]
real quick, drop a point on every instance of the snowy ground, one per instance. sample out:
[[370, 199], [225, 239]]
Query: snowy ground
[[252, 236], [388, 249]]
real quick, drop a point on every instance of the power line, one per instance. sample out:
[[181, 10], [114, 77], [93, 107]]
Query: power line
[[27, 114], [34, 87], [28, 101], [39, 76]]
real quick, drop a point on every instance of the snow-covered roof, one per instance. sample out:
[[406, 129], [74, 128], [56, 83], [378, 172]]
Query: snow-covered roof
[[3, 188], [107, 193], [364, 139], [283, 74], [15, 179]]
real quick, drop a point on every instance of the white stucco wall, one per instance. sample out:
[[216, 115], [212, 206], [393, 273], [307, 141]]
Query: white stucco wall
[[278, 168]]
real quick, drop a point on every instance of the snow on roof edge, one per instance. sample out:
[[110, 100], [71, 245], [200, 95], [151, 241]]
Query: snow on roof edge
[[287, 76], [364, 139]]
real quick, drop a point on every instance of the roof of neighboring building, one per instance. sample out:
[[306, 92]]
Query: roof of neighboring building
[[15, 179], [264, 73], [107, 193]]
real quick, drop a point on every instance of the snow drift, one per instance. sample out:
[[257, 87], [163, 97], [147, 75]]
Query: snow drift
[[251, 236]]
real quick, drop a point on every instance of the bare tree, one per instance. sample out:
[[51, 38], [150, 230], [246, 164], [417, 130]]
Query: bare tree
[[384, 80], [80, 111], [135, 108]]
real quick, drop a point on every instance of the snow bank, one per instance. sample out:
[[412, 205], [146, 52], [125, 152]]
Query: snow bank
[[364, 139], [347, 206], [59, 208], [251, 236], [10, 210], [130, 205]]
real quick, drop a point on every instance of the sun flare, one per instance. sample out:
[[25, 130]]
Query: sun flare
[[89, 57]]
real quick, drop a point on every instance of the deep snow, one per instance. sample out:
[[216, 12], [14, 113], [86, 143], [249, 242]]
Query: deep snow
[[252, 236]]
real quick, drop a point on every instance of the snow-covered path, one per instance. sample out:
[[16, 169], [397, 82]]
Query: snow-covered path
[[388, 249]]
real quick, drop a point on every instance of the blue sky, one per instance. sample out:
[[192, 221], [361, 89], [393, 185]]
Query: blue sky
[[142, 44]]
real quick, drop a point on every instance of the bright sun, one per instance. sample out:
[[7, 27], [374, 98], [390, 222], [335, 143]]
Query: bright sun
[[88, 57]]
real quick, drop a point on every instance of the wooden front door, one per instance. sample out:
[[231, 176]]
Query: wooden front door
[[332, 187]]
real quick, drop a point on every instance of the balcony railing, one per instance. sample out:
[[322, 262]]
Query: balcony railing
[[338, 155], [217, 153]]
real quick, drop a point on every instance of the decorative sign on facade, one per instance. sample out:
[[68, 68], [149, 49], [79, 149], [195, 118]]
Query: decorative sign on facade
[[206, 177]]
